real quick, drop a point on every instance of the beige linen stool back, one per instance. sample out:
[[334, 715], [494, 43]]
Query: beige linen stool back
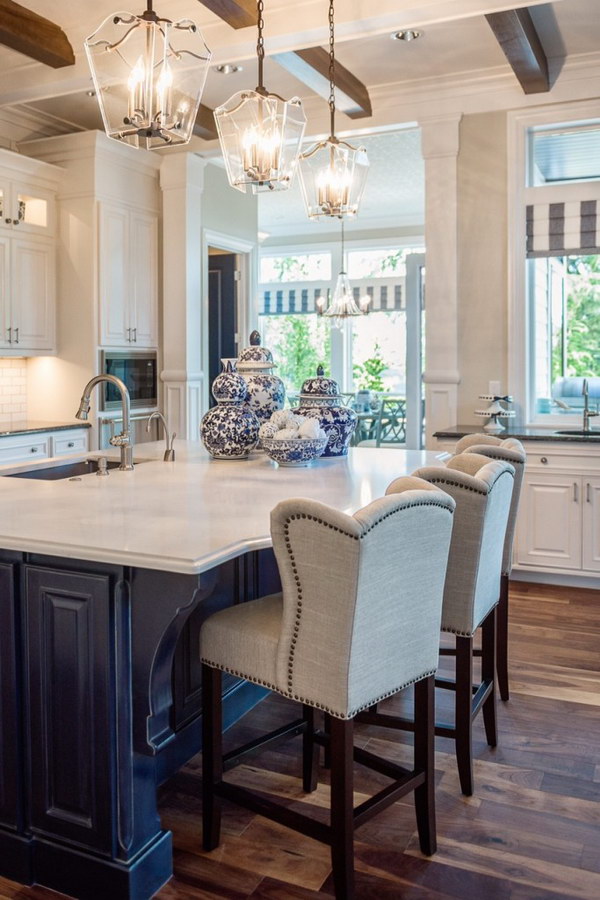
[[512, 451], [358, 620]]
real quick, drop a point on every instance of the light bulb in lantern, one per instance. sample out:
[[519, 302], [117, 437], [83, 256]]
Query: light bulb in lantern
[[333, 189], [164, 90], [135, 86], [261, 153]]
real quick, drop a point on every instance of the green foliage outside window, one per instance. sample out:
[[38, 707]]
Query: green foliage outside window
[[299, 344], [367, 375], [582, 351]]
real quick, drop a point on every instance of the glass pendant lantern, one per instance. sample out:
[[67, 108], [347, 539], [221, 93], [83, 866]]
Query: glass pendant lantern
[[260, 133], [149, 74], [343, 305], [333, 172]]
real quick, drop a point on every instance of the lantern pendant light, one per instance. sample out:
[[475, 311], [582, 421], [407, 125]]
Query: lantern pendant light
[[260, 133], [333, 172], [343, 305], [149, 74]]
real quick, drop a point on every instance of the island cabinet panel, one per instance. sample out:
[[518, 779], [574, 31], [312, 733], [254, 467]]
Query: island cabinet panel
[[68, 662], [10, 744], [246, 578]]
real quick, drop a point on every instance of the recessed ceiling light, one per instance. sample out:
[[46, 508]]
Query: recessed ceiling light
[[228, 69], [406, 35], [90, 93]]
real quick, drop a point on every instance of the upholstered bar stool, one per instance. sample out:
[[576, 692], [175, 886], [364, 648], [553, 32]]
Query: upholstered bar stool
[[358, 620], [510, 450], [482, 490]]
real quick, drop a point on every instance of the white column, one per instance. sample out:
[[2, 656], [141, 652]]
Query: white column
[[182, 182], [440, 143]]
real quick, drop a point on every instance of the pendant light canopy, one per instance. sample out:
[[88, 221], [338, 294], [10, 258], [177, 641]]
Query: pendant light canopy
[[149, 74], [260, 133], [333, 172], [343, 305]]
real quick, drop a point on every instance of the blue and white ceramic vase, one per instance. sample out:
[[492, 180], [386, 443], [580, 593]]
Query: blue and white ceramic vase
[[230, 429], [266, 391], [320, 399]]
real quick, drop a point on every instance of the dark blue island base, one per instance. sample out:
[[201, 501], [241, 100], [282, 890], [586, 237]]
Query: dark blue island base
[[100, 703]]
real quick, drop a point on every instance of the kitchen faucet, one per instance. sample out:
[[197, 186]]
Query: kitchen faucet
[[123, 440], [587, 414], [169, 452]]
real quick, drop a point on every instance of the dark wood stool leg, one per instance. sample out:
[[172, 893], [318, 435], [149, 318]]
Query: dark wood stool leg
[[310, 758], [212, 756], [425, 761], [327, 747], [463, 713], [502, 639], [488, 674], [342, 808]]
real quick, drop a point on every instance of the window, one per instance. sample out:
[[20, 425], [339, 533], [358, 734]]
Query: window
[[565, 306], [564, 154], [285, 269]]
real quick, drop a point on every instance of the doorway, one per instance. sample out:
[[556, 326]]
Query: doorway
[[223, 272]]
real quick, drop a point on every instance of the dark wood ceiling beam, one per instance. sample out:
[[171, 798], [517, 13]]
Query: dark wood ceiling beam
[[312, 67], [36, 37], [237, 13], [516, 34], [204, 126]]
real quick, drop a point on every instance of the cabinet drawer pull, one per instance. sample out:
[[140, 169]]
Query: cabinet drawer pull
[[71, 444], [8, 221], [16, 221], [134, 335], [34, 449], [129, 334], [9, 335], [575, 492], [16, 335], [588, 493], [544, 460]]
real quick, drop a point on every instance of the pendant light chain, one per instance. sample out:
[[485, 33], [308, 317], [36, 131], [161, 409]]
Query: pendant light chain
[[331, 68], [260, 44], [343, 265]]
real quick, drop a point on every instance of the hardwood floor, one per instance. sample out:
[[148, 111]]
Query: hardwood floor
[[531, 830]]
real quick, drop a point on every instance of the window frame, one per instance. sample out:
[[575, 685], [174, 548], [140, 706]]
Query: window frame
[[521, 370]]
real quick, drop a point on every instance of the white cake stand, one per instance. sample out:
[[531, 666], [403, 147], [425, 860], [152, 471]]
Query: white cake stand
[[494, 412]]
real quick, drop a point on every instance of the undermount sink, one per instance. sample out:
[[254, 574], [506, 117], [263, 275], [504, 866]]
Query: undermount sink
[[71, 470], [579, 431]]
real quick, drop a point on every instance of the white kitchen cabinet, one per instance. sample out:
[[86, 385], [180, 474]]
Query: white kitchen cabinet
[[128, 271], [591, 523], [26, 207], [27, 294], [15, 448], [550, 521]]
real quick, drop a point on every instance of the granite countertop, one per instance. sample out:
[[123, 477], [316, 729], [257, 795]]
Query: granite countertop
[[31, 426], [522, 433], [183, 516]]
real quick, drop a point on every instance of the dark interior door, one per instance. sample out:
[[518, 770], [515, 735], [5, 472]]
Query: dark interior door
[[222, 311]]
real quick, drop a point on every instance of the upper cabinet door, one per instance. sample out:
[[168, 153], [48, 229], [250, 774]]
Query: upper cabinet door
[[33, 282], [5, 329], [144, 279], [32, 210], [113, 268]]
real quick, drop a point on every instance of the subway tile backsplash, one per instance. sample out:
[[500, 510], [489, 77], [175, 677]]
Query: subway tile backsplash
[[13, 391]]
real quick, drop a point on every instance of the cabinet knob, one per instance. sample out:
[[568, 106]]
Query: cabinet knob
[[8, 221], [544, 460], [71, 444], [34, 449]]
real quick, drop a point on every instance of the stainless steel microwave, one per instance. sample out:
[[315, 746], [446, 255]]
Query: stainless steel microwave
[[138, 369]]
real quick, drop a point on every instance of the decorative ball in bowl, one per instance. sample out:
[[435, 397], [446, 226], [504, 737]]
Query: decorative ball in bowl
[[294, 451]]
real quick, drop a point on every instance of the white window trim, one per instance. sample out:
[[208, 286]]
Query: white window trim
[[519, 331]]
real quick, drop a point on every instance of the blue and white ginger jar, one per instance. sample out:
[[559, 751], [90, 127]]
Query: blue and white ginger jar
[[230, 429], [320, 399], [266, 391]]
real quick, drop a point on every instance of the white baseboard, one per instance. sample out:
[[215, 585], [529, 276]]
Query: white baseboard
[[558, 578]]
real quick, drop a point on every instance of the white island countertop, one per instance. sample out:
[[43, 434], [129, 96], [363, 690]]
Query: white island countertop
[[186, 516]]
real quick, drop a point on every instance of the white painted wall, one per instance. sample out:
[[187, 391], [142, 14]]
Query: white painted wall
[[226, 210], [482, 259]]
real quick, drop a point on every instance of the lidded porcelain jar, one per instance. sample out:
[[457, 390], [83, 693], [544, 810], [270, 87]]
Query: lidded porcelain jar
[[230, 429], [320, 399], [266, 391]]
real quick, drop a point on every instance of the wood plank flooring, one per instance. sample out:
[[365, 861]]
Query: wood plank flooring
[[531, 831]]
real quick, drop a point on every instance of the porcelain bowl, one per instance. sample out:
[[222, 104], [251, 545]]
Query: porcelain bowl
[[294, 451]]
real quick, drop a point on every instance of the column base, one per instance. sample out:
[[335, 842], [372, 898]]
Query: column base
[[16, 855]]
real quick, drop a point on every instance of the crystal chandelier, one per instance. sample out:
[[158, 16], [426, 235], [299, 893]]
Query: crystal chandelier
[[333, 172], [343, 305], [260, 133], [149, 74]]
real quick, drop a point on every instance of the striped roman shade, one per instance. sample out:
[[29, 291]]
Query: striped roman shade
[[387, 294], [554, 229]]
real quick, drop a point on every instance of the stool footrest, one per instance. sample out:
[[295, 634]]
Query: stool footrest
[[292, 729], [274, 811]]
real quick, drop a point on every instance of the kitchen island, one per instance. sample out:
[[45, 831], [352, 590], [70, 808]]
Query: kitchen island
[[105, 584]]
